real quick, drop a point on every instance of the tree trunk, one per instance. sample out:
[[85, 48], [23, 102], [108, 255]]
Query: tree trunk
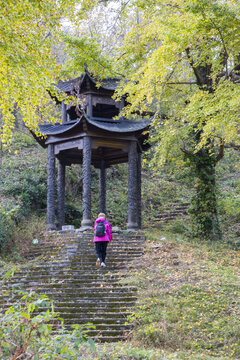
[[204, 203]]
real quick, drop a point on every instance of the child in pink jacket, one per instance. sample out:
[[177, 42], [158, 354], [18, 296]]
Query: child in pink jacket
[[103, 239]]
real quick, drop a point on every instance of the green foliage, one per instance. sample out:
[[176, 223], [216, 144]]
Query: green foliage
[[24, 178], [117, 201], [127, 352], [73, 215], [21, 140], [6, 228], [188, 298], [30, 190], [203, 209], [83, 51], [32, 329], [178, 227], [171, 48], [29, 32], [8, 212], [181, 61]]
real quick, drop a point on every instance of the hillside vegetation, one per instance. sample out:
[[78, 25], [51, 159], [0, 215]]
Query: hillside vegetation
[[188, 306], [188, 291], [23, 189]]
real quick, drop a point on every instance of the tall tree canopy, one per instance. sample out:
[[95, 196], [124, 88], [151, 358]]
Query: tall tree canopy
[[181, 58], [29, 31]]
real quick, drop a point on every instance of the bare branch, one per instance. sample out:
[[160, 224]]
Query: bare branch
[[233, 146], [226, 56], [185, 151], [199, 80], [221, 152]]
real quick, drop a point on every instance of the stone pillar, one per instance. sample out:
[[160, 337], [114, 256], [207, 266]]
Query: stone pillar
[[87, 152], [61, 194], [51, 189], [64, 112], [132, 224], [102, 187], [139, 189]]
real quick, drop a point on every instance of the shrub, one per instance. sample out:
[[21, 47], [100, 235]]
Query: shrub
[[7, 221], [5, 230], [30, 329]]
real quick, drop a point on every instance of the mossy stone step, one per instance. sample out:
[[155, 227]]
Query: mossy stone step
[[87, 306], [103, 316], [105, 326], [80, 292], [75, 277], [83, 290]]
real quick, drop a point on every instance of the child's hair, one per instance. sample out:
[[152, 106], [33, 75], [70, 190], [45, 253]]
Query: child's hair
[[101, 215]]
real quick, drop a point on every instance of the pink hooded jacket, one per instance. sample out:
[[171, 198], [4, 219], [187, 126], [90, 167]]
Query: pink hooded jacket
[[108, 235]]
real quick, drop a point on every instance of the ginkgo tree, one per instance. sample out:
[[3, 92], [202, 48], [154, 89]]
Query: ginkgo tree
[[181, 59], [186, 64], [29, 33]]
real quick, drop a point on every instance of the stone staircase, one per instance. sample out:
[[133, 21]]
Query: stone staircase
[[65, 271], [171, 212]]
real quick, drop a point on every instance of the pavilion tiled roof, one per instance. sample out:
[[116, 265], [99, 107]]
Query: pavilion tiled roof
[[57, 128], [106, 84], [116, 126]]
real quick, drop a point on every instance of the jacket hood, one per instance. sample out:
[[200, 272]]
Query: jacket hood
[[100, 219]]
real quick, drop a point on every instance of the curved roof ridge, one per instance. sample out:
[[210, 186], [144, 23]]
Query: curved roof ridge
[[118, 126], [58, 128]]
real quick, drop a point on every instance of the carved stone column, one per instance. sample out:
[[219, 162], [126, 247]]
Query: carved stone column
[[102, 187], [61, 194], [139, 189], [132, 187], [51, 189], [87, 152]]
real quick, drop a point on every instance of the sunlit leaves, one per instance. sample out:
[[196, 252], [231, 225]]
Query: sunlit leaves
[[28, 33], [160, 55]]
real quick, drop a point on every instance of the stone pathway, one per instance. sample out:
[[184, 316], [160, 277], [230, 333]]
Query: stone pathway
[[81, 293]]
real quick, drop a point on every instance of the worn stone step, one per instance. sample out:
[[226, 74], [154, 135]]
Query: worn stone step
[[91, 257], [85, 289], [108, 317], [90, 298], [104, 334], [107, 337], [80, 268], [103, 326], [90, 251], [75, 277], [100, 296], [48, 282], [90, 318], [87, 238], [84, 285], [85, 307], [88, 243], [80, 292], [91, 267], [97, 313]]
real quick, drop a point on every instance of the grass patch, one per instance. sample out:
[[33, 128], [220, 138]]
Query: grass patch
[[188, 298]]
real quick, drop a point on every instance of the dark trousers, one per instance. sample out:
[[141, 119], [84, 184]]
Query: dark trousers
[[101, 249]]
